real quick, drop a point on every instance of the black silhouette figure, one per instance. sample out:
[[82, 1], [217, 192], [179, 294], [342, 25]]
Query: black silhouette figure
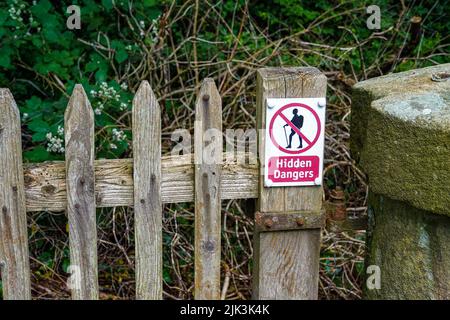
[[297, 120]]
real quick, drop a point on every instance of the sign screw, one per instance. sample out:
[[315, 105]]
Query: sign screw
[[268, 223], [321, 104], [300, 221], [270, 106]]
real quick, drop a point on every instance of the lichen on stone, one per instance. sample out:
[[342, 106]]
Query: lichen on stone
[[400, 135]]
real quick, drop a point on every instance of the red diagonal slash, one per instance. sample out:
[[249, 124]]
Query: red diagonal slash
[[294, 128]]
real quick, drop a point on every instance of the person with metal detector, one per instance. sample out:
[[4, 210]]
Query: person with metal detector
[[297, 120]]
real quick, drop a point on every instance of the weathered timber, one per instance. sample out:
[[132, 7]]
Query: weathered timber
[[45, 185], [80, 183], [286, 262], [14, 258], [147, 193], [208, 171]]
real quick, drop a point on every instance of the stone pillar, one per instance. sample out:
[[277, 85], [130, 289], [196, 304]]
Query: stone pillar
[[401, 138]]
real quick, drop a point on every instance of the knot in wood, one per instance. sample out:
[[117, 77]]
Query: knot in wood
[[205, 97], [49, 189], [209, 245], [28, 180]]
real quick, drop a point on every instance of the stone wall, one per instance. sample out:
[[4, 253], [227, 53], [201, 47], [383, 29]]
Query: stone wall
[[401, 138]]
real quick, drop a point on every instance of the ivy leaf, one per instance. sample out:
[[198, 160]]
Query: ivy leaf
[[37, 154], [33, 104], [5, 57], [150, 3], [107, 4], [38, 125], [39, 136], [41, 9], [121, 54], [51, 35]]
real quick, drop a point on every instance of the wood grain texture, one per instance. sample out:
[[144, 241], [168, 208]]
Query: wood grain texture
[[80, 182], [147, 193], [45, 183], [14, 258], [208, 165], [286, 263]]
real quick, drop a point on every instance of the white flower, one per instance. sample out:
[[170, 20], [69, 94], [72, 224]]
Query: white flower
[[54, 143], [112, 146], [123, 106], [124, 86], [118, 135], [61, 131], [142, 23]]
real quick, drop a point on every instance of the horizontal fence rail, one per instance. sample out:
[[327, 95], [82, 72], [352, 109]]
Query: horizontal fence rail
[[45, 183]]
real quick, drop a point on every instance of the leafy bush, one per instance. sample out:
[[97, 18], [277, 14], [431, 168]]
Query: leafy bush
[[41, 59]]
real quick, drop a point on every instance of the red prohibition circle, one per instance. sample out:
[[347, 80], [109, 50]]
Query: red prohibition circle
[[290, 105]]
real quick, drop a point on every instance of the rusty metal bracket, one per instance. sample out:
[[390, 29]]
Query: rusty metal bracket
[[284, 221]]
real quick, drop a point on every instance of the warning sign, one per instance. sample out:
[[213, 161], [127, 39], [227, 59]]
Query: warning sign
[[294, 142]]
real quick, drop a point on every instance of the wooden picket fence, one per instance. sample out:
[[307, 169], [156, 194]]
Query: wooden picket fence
[[80, 184]]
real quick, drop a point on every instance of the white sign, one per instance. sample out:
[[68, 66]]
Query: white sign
[[295, 131]]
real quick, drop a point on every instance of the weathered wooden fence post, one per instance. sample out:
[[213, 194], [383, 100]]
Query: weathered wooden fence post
[[14, 256], [80, 184], [401, 137], [286, 263], [147, 193], [208, 171]]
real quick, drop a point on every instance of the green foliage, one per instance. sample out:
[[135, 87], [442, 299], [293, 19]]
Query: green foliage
[[41, 60]]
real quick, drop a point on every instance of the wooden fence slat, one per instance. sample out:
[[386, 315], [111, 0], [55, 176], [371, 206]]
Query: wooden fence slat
[[208, 159], [45, 183], [286, 263], [313, 84], [147, 193], [80, 183], [14, 256]]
